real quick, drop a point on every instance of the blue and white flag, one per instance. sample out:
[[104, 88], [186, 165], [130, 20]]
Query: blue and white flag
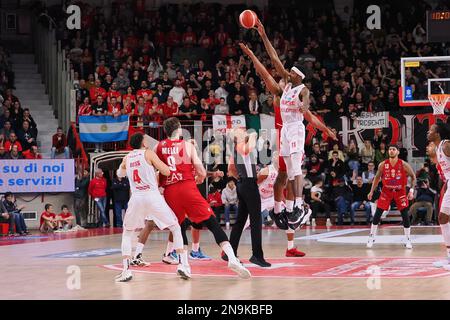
[[103, 128]]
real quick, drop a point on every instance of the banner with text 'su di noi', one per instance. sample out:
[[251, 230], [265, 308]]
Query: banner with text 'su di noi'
[[26, 176]]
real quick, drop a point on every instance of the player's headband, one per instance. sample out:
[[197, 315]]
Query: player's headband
[[297, 71]]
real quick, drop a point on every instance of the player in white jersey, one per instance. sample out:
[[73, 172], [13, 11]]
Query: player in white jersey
[[294, 103], [147, 203], [439, 134], [266, 181]]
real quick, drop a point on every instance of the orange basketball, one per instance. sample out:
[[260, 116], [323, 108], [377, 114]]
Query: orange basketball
[[248, 19]]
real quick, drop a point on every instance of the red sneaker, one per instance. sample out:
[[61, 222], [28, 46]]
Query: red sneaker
[[294, 253]]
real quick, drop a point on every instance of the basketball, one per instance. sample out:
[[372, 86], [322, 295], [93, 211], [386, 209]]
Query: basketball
[[248, 19]]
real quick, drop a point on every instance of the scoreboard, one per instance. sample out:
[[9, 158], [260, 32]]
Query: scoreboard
[[438, 26]]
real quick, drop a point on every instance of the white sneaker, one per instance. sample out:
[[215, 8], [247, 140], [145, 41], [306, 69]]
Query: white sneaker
[[239, 269], [328, 224], [408, 244], [138, 261], [313, 222], [441, 263], [125, 276], [169, 259], [306, 216], [184, 271], [370, 242]]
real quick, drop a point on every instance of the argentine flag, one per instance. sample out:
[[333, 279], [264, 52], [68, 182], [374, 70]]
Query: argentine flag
[[103, 128]]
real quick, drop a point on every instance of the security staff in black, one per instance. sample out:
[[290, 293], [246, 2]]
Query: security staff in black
[[242, 166]]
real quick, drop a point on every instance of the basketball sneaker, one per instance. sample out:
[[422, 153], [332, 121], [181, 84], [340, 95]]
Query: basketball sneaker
[[408, 244], [184, 271], [172, 258], [125, 276], [279, 219], [198, 255], [296, 215], [138, 261], [370, 242], [294, 253], [442, 263], [306, 214], [237, 267]]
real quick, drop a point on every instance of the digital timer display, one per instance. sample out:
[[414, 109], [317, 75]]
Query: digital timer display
[[438, 26]]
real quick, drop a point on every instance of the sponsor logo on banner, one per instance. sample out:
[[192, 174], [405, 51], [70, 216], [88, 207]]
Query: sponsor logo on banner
[[321, 267], [408, 93], [372, 120], [85, 253], [222, 123]]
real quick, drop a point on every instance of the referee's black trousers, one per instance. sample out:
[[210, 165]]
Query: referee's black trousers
[[249, 204]]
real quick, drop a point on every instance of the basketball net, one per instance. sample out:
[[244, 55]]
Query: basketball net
[[438, 102]]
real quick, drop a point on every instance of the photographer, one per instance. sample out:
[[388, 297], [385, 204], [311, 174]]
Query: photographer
[[424, 200], [11, 207]]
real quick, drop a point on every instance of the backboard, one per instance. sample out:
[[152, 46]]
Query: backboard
[[422, 76]]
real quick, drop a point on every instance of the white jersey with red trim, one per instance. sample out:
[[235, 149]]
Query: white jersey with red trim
[[290, 104], [266, 187], [443, 160], [141, 175]]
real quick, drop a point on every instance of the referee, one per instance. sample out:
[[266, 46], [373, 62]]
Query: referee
[[242, 166]]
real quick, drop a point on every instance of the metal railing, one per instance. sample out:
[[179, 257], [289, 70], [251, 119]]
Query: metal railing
[[57, 76]]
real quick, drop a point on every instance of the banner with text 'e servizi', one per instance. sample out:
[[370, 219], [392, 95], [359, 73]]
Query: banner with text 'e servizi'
[[40, 176]]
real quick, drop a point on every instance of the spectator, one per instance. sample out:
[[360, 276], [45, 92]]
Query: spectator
[[49, 222], [215, 201], [32, 153], [342, 196], [97, 91], [11, 207], [230, 200], [381, 154], [222, 107], [100, 108], [335, 164], [170, 108], [268, 107], [3, 153], [370, 173], [254, 106], [221, 91], [13, 142], [80, 196], [367, 153], [321, 155], [160, 94], [5, 217], [32, 124], [97, 190], [379, 138], [6, 131], [14, 154], [122, 81], [318, 203], [237, 105], [26, 136], [59, 144], [177, 93], [186, 111], [65, 219], [121, 191], [424, 199], [360, 192], [336, 149], [314, 168], [114, 108], [353, 158], [85, 108]]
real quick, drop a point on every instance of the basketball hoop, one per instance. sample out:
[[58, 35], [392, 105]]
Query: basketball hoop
[[438, 102]]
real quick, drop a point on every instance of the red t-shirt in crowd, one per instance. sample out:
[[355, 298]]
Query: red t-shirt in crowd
[[97, 188], [171, 110], [94, 92], [113, 94], [143, 93], [65, 215], [29, 155], [215, 197], [47, 215], [84, 110]]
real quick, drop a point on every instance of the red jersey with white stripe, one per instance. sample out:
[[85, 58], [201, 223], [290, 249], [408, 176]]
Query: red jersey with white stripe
[[140, 173], [394, 177], [173, 154], [443, 162]]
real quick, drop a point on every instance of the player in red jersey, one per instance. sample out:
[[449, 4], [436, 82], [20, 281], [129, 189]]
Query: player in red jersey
[[182, 195], [394, 174], [282, 178]]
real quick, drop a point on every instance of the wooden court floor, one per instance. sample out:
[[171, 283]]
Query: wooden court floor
[[337, 266]]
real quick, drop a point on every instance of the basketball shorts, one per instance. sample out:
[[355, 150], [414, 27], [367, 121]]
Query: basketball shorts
[[445, 200], [388, 195], [281, 163], [292, 139], [186, 201], [148, 206]]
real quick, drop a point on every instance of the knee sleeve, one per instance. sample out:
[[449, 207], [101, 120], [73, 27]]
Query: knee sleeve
[[183, 228], [213, 226], [377, 216], [405, 218], [178, 239], [126, 242], [293, 165]]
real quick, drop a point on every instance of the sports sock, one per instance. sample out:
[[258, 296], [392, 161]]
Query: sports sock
[[289, 205], [169, 248], [290, 244], [407, 233], [373, 230], [139, 248], [229, 252], [195, 246], [445, 229], [184, 258], [125, 264], [298, 201], [277, 207]]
